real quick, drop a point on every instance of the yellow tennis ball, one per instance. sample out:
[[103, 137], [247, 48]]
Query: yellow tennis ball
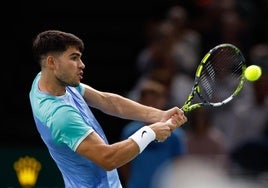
[[253, 72]]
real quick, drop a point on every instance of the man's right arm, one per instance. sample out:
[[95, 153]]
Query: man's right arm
[[115, 155]]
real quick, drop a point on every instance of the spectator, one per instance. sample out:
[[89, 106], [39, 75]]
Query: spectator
[[158, 51], [245, 117], [139, 172], [203, 139], [187, 41], [196, 173], [251, 152]]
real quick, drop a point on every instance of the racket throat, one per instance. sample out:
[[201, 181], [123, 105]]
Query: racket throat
[[188, 108]]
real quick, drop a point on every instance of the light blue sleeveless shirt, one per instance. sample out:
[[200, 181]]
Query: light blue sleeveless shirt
[[63, 122]]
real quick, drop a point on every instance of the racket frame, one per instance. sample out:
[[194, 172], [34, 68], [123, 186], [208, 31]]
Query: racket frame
[[188, 106]]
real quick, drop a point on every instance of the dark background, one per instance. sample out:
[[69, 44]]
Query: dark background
[[113, 33]]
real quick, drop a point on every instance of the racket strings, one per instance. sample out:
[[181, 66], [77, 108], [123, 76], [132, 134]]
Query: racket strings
[[221, 74]]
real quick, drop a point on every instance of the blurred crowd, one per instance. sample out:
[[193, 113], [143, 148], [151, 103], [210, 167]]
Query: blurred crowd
[[233, 138]]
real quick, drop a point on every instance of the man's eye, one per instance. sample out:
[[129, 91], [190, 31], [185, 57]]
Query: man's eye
[[75, 58]]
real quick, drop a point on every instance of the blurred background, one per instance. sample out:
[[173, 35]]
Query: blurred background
[[126, 42]]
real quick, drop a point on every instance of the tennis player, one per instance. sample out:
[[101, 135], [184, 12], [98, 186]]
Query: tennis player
[[61, 109]]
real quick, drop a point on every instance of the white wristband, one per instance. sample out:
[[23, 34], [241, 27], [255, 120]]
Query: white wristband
[[143, 137]]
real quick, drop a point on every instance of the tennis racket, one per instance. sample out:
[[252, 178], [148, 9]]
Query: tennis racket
[[218, 79]]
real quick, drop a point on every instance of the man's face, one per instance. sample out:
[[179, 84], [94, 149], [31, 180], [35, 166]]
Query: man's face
[[68, 68]]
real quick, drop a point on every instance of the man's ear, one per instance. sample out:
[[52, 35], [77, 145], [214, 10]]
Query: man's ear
[[50, 61]]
